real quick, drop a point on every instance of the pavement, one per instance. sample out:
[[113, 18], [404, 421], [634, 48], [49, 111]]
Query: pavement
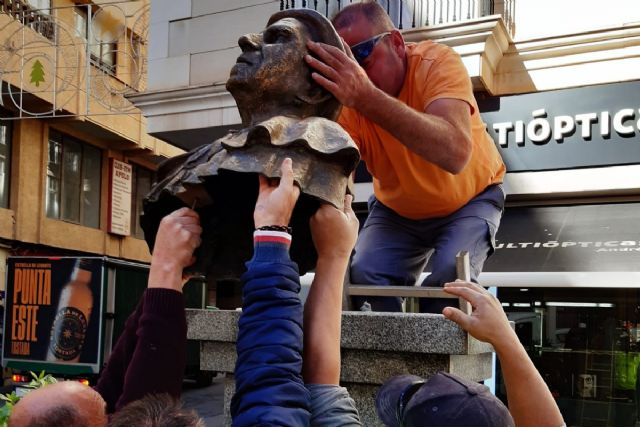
[[207, 401]]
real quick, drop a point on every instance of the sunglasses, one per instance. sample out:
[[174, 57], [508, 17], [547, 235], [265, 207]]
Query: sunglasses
[[362, 50]]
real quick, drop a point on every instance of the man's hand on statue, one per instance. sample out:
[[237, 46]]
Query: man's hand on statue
[[339, 73], [487, 321], [177, 238], [276, 198], [334, 231]]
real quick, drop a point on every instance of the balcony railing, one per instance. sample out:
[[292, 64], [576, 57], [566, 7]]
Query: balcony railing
[[37, 19], [421, 13], [97, 54]]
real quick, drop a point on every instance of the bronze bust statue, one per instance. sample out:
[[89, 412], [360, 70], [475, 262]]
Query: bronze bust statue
[[284, 114]]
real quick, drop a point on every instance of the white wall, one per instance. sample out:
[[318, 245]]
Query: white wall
[[545, 18]]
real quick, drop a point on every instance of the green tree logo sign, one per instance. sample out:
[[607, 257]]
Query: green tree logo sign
[[37, 73]]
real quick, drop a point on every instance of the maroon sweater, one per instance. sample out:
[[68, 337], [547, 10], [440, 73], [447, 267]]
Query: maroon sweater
[[150, 355]]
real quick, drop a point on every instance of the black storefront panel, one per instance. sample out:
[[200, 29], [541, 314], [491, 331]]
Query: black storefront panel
[[565, 129]]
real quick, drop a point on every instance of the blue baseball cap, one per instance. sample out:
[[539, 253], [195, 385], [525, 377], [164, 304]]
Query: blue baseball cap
[[443, 400]]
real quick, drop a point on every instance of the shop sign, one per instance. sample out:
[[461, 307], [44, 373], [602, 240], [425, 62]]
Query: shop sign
[[53, 311], [570, 128], [602, 237], [120, 185]]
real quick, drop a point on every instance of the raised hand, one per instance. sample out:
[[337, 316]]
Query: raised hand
[[276, 200], [335, 231], [487, 322], [178, 236], [339, 73]]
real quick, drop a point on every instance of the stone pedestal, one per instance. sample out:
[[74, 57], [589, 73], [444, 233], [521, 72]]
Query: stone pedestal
[[375, 346]]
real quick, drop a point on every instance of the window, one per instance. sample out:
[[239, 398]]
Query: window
[[142, 181], [102, 47], [73, 181], [586, 344], [5, 162]]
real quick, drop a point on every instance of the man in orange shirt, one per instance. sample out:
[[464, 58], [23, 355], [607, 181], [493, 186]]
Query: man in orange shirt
[[436, 171]]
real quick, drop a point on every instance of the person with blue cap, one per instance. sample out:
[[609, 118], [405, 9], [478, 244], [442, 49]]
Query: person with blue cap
[[451, 401]]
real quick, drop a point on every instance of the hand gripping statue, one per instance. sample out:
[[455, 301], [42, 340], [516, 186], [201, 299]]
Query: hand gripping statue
[[284, 114]]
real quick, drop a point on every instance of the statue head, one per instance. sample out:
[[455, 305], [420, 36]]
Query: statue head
[[271, 77]]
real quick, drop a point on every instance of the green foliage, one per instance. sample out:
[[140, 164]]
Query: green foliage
[[12, 398], [41, 380]]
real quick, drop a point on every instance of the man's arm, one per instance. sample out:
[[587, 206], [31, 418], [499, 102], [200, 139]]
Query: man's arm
[[334, 234], [269, 386], [441, 134], [530, 401], [154, 338]]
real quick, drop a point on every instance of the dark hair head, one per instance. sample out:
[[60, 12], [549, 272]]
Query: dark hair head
[[320, 30], [368, 9], [155, 410]]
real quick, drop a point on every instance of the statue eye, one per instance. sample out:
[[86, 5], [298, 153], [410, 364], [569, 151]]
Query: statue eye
[[277, 35]]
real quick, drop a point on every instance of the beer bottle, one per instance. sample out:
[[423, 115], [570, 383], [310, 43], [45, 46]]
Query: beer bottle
[[72, 316]]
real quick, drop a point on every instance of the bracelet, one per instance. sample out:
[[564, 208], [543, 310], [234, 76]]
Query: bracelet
[[282, 228]]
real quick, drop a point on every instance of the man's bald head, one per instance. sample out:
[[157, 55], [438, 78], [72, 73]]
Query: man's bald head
[[67, 403]]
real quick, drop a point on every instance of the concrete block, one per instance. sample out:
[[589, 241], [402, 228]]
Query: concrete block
[[159, 40], [206, 7], [168, 73], [365, 397], [212, 325], [375, 347], [170, 10], [218, 356], [212, 67], [411, 332], [214, 32]]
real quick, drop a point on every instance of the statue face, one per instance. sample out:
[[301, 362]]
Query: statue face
[[271, 66]]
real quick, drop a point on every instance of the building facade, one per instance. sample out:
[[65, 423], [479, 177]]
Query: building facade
[[75, 157], [558, 84]]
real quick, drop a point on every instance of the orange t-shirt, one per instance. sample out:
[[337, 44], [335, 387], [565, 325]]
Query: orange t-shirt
[[404, 181]]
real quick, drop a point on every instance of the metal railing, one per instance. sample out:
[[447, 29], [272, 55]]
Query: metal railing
[[38, 20], [99, 52], [420, 13]]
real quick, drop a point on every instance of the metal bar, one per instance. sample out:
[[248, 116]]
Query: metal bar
[[463, 272], [397, 291], [426, 22], [87, 75], [55, 71], [413, 23], [400, 17]]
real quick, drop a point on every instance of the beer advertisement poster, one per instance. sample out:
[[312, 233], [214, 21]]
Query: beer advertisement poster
[[53, 309]]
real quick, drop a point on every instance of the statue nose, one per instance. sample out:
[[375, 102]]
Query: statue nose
[[249, 42]]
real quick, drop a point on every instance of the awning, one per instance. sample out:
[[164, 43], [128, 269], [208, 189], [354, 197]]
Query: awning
[[580, 245]]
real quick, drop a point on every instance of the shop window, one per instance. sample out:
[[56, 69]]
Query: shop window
[[586, 344], [99, 39], [142, 181], [73, 181], [5, 162]]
